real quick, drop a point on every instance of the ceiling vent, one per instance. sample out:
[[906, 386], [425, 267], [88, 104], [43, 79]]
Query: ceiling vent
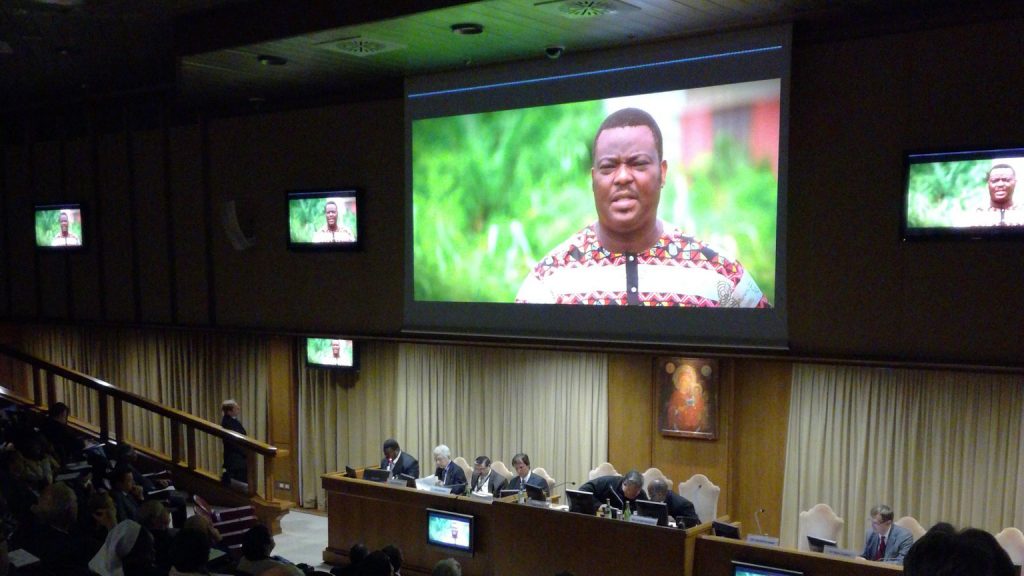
[[360, 46], [585, 8]]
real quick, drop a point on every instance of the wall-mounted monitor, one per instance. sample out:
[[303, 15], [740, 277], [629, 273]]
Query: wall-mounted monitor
[[745, 569], [968, 194], [324, 219], [59, 227], [450, 530], [634, 196], [335, 353]]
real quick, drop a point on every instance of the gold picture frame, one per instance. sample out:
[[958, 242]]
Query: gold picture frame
[[686, 396]]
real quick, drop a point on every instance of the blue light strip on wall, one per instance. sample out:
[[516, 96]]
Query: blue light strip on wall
[[596, 72]]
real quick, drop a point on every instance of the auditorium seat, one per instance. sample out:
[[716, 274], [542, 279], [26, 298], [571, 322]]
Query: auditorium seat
[[821, 522], [1012, 540], [911, 524], [652, 474], [603, 469], [703, 494], [231, 523], [547, 478], [500, 468]]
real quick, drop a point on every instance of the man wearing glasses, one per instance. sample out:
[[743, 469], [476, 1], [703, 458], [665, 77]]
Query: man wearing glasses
[[886, 542]]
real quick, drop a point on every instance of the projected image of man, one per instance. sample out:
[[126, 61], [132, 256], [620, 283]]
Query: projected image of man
[[332, 230], [65, 237], [630, 256], [1000, 209]]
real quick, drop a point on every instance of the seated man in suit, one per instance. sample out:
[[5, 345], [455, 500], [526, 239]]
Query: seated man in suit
[[448, 473], [398, 462], [678, 507], [618, 490], [885, 541], [523, 477], [484, 480]]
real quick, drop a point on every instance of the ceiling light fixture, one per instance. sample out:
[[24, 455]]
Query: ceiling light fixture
[[268, 60], [467, 28]]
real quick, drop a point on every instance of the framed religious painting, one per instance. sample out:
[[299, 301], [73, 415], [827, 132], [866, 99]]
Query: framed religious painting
[[686, 396]]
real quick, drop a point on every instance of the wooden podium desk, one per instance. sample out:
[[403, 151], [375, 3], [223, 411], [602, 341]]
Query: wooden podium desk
[[509, 539], [714, 556]]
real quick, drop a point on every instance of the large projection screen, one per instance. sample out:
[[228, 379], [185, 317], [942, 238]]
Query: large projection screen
[[511, 221]]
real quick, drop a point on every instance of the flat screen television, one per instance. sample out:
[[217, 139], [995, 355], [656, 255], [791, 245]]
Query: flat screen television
[[335, 353], [516, 230], [725, 530], [59, 227], [582, 502], [450, 530], [324, 219], [745, 569], [966, 194], [653, 510]]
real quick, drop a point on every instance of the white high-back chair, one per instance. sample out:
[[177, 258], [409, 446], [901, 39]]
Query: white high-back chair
[[1012, 540], [603, 469], [821, 522], [547, 478], [703, 494], [466, 468], [500, 468], [652, 474], [910, 524]]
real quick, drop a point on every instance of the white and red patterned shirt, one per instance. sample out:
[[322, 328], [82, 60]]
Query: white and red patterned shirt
[[678, 270]]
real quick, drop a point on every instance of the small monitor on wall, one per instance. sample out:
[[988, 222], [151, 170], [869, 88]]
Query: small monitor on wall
[[744, 569], [450, 530], [324, 219], [336, 353], [969, 194], [59, 227]]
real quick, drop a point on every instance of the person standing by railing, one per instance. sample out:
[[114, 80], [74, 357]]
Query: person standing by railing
[[235, 464]]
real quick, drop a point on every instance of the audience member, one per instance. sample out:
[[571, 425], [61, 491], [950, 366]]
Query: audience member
[[126, 495], [944, 552], [53, 540], [190, 551], [67, 446], [375, 564], [155, 518], [447, 567], [395, 555], [100, 515], [257, 544], [356, 554], [127, 551], [38, 468]]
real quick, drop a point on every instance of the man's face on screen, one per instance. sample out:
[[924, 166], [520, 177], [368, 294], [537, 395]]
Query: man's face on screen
[[64, 224], [331, 213], [1001, 182], [336, 348], [627, 177]]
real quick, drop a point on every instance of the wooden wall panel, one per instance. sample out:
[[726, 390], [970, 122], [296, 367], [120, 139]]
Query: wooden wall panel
[[52, 274], [629, 411], [21, 232], [282, 423], [117, 290], [83, 272], [150, 211], [189, 221]]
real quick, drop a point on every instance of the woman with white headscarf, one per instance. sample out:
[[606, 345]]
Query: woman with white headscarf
[[127, 551]]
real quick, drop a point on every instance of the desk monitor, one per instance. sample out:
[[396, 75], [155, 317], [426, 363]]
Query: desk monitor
[[507, 493], [535, 493], [744, 569], [450, 530], [818, 544], [725, 530], [582, 502], [376, 475], [687, 521], [410, 481], [350, 472], [651, 509]]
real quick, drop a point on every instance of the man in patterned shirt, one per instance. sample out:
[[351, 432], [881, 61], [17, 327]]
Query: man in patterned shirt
[[629, 256]]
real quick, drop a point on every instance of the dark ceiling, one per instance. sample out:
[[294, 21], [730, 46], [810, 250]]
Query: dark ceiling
[[207, 53]]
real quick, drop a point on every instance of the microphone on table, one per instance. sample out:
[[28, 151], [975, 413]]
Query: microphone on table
[[758, 520]]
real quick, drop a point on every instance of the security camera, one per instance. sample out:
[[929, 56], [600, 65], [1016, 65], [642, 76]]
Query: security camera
[[554, 52]]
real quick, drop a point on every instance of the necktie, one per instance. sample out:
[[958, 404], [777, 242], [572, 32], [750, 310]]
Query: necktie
[[881, 549]]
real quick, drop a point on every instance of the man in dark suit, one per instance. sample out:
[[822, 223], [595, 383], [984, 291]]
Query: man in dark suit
[[885, 541], [678, 507], [484, 480], [235, 465], [617, 490], [448, 473], [398, 462], [127, 496], [524, 477]]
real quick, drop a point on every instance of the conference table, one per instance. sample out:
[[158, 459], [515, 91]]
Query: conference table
[[508, 538]]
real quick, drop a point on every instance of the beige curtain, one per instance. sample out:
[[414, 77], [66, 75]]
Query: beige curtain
[[938, 446], [551, 405], [190, 371]]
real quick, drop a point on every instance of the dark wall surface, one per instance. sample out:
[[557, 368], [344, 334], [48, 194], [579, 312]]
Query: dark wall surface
[[159, 254]]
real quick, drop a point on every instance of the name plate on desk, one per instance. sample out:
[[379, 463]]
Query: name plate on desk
[[836, 551], [482, 497], [762, 539], [441, 489], [643, 520], [537, 503], [398, 482]]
